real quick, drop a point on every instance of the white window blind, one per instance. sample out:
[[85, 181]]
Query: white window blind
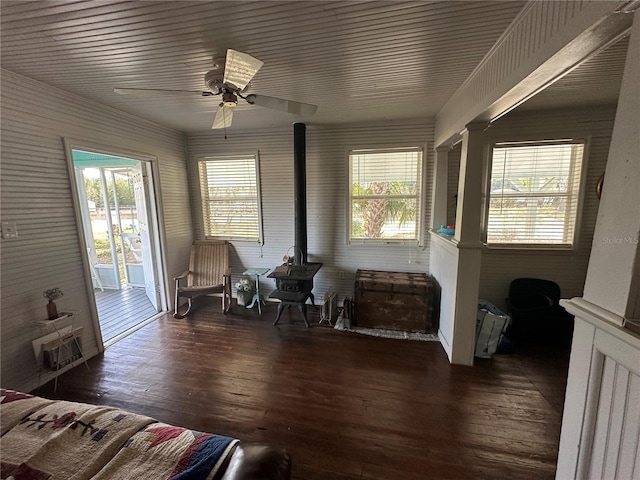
[[385, 192], [534, 193], [230, 193]]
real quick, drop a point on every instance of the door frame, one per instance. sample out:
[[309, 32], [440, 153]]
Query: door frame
[[155, 203]]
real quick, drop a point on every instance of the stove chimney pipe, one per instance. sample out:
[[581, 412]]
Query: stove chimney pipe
[[300, 192]]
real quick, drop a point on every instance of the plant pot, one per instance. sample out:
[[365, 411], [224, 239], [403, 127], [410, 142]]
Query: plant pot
[[244, 297]]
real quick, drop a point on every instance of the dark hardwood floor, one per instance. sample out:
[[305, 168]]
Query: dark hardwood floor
[[346, 406]]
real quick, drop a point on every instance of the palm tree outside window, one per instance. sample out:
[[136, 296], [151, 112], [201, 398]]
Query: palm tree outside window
[[385, 199]]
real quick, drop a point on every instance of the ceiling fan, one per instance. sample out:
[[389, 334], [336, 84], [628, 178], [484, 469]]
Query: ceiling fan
[[231, 83]]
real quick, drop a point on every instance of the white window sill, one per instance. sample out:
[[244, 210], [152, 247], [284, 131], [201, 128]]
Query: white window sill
[[530, 249], [384, 243]]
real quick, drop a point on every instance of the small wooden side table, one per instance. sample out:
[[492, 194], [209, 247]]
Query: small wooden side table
[[256, 297]]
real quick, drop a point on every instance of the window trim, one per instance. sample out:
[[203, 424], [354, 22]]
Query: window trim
[[420, 197], [585, 140], [204, 209]]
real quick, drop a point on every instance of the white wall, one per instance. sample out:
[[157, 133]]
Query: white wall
[[601, 417], [326, 198], [444, 268], [600, 435], [568, 269], [326, 190], [36, 194]]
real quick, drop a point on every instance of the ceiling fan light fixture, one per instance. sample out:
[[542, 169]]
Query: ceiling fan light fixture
[[229, 99]]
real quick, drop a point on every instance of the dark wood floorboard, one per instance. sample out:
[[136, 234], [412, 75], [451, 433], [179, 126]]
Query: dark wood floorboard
[[346, 406]]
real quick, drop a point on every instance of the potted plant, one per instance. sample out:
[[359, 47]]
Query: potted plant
[[245, 290], [52, 294]]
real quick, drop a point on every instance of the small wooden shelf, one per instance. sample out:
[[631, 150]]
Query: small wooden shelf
[[64, 319]]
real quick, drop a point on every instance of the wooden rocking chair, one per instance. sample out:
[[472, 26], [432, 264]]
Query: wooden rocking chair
[[208, 273]]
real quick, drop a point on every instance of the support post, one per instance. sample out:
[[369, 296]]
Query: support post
[[467, 240]]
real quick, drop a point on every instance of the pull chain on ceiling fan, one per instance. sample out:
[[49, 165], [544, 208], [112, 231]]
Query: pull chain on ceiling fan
[[239, 69]]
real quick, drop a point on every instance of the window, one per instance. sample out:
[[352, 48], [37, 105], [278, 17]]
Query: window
[[230, 191], [534, 194], [385, 192]]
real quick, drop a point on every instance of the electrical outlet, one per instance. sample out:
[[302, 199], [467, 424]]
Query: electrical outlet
[[9, 230], [340, 273]]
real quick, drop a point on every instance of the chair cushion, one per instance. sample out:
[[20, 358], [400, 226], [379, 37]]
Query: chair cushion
[[529, 302], [200, 290], [521, 288]]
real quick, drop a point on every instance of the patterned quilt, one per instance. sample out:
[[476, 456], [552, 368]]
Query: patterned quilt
[[58, 440]]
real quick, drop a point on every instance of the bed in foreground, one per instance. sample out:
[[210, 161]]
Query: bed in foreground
[[45, 439]]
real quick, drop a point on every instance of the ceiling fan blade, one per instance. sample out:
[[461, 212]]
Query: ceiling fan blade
[[288, 106], [158, 91], [240, 68], [223, 118]]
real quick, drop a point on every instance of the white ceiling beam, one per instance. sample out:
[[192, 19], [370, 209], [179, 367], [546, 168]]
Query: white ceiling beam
[[544, 42]]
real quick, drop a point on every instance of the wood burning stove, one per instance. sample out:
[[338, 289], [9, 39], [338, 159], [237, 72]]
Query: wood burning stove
[[294, 283]]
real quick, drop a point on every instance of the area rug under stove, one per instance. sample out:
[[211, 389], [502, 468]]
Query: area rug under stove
[[380, 332]]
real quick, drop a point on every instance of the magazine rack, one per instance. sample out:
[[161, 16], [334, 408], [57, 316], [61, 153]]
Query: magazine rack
[[59, 346]]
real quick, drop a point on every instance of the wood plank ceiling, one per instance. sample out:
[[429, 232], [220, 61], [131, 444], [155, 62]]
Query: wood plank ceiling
[[358, 61]]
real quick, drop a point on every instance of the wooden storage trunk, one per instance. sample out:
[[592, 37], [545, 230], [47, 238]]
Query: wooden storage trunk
[[394, 301]]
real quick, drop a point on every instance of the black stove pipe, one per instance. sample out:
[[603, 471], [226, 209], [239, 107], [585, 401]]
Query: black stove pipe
[[300, 192]]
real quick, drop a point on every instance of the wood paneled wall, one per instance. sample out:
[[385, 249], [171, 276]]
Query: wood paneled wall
[[326, 198], [37, 195], [601, 418], [327, 190]]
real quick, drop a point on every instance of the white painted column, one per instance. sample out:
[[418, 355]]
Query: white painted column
[[613, 277], [469, 209], [467, 240], [601, 421]]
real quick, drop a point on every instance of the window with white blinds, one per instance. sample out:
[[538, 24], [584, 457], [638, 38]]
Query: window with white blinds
[[385, 195], [534, 194], [230, 191]]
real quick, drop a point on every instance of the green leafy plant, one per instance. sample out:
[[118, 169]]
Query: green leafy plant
[[384, 205]]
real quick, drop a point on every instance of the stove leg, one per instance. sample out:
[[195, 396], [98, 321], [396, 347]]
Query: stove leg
[[313, 301], [303, 308], [280, 308]]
